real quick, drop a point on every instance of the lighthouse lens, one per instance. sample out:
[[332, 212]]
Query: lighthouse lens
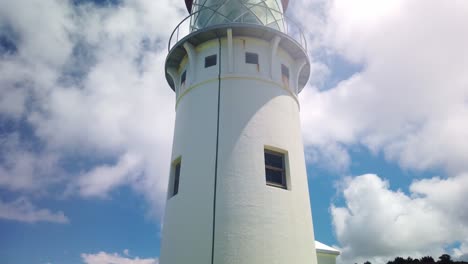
[[215, 12]]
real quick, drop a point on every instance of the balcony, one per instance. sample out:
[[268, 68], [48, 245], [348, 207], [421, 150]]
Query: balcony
[[245, 16]]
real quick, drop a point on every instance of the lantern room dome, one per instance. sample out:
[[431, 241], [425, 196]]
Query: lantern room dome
[[189, 3]]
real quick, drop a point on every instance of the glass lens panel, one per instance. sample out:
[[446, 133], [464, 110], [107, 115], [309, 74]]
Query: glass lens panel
[[213, 12]]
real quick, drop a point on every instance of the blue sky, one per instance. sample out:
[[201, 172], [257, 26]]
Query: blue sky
[[86, 123]]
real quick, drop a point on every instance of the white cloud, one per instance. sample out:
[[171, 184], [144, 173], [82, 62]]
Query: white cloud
[[445, 195], [114, 258], [12, 101], [89, 82], [409, 102], [22, 210], [378, 223], [410, 99], [24, 170], [102, 179], [329, 156], [461, 253], [37, 33]]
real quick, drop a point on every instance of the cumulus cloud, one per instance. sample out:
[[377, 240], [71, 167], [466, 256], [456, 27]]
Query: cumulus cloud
[[378, 223], [461, 252], [24, 170], [86, 80], [102, 179], [24, 211], [409, 101], [330, 156], [115, 258]]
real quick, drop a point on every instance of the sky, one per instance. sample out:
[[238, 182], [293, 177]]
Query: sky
[[86, 126]]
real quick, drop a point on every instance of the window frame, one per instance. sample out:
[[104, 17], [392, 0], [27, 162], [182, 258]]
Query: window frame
[[174, 181], [284, 170]]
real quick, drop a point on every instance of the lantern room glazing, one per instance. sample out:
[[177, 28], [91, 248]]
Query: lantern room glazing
[[206, 13]]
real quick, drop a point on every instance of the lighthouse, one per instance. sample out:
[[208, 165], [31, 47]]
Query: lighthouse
[[237, 190]]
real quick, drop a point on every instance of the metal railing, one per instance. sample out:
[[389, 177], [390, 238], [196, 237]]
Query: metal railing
[[282, 24]]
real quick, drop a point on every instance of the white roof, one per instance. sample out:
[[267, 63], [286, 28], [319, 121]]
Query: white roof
[[322, 248]]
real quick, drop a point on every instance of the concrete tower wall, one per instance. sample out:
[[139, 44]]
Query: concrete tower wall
[[187, 231], [222, 164]]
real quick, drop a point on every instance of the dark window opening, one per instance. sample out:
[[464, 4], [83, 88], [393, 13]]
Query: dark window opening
[[251, 58], [175, 184], [285, 74], [183, 77], [210, 61], [275, 172], [284, 70]]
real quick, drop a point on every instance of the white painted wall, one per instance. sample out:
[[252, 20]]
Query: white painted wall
[[260, 223], [326, 258], [187, 225], [255, 223]]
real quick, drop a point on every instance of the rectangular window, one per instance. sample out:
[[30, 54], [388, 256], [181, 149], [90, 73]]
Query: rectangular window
[[182, 82], [285, 75], [210, 61], [174, 189], [251, 58], [183, 77], [275, 171]]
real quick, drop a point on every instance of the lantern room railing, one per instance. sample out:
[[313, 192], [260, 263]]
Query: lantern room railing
[[277, 22]]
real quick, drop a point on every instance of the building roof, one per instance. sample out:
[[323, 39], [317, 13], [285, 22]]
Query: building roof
[[188, 4], [322, 248]]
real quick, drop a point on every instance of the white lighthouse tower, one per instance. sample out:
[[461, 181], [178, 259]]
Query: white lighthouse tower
[[238, 186]]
